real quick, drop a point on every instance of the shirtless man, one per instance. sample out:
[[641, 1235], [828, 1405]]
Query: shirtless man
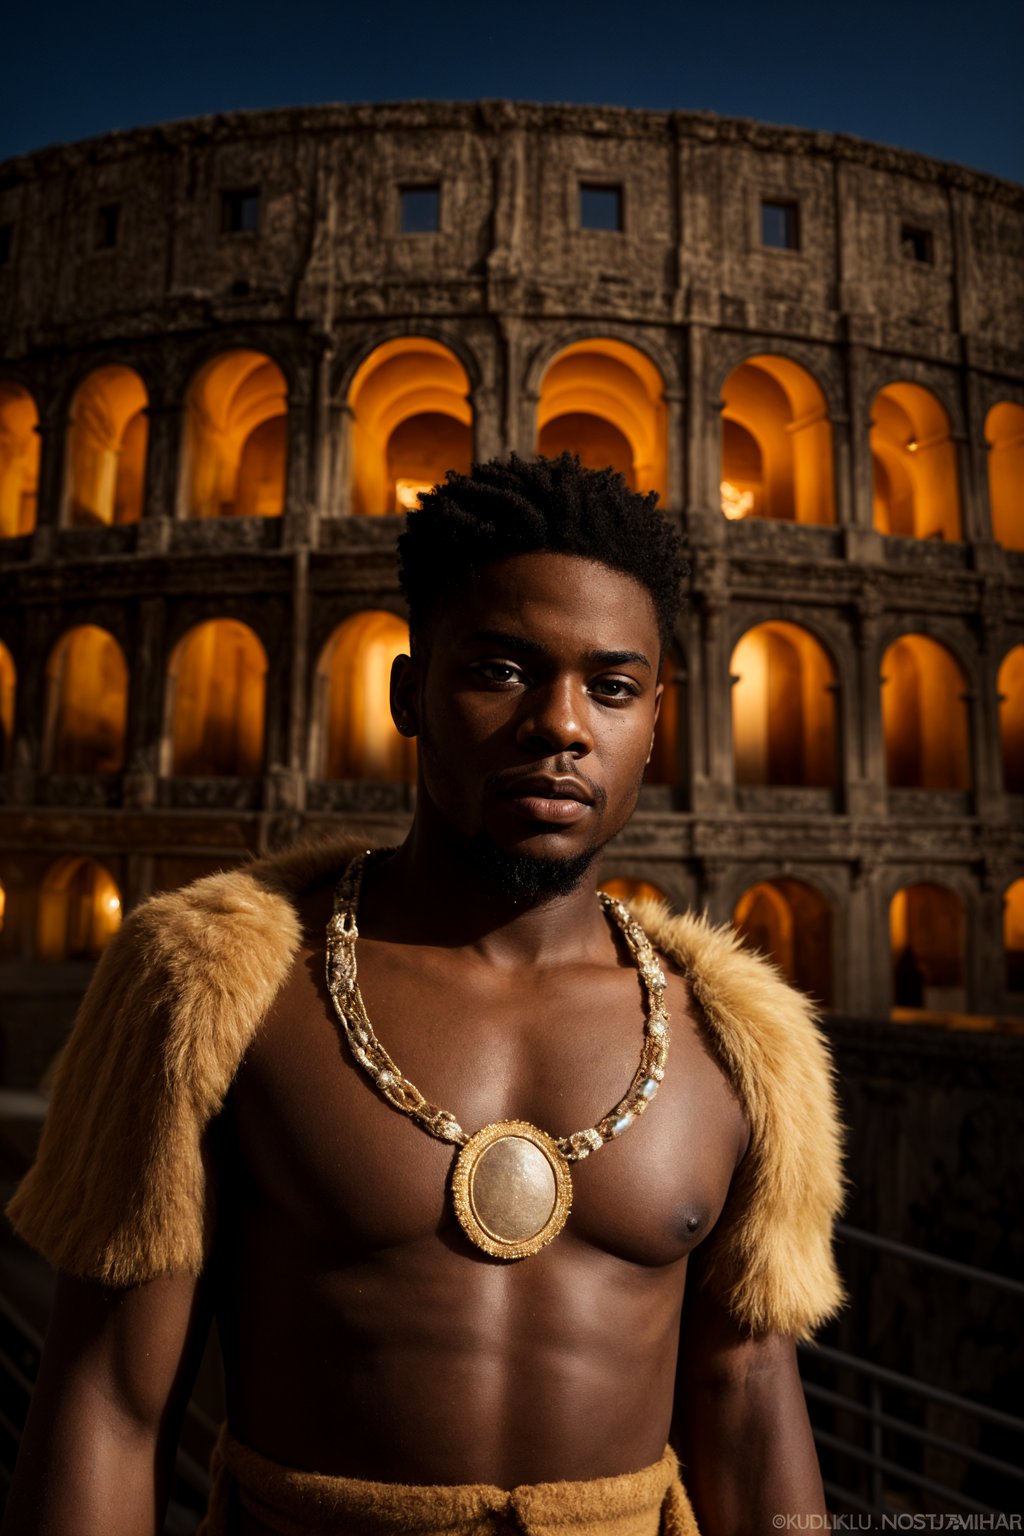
[[365, 1334]]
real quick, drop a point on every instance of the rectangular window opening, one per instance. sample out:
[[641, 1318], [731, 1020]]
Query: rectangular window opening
[[916, 244], [780, 225], [600, 206], [107, 228], [421, 209], [6, 243], [240, 211]]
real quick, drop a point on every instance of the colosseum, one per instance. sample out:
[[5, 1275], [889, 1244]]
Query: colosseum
[[235, 348]]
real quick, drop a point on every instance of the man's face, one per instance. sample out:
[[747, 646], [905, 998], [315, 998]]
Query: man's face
[[535, 700]]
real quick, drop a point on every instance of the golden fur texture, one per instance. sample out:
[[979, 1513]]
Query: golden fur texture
[[769, 1257], [651, 1502], [118, 1192]]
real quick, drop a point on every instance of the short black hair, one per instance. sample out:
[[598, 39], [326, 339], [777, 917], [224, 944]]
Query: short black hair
[[520, 506]]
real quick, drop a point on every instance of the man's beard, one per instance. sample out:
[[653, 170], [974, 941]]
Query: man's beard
[[524, 877]]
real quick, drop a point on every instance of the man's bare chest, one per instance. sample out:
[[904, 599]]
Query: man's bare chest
[[323, 1157]]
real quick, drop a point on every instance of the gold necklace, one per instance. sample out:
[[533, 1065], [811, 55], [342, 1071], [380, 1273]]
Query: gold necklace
[[511, 1185]]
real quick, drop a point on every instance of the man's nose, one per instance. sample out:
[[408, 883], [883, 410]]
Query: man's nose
[[556, 720]]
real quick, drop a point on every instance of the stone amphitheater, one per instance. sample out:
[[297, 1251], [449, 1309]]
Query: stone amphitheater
[[234, 348]]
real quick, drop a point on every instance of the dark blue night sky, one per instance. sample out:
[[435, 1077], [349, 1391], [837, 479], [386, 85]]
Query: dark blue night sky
[[945, 77]]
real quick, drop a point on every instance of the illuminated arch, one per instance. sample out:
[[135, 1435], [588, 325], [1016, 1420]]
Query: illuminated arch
[[86, 703], [19, 460], [783, 707], [1004, 434], [236, 422], [106, 453], [604, 400], [356, 733], [926, 929], [924, 716], [411, 422], [1013, 935], [776, 443], [217, 702], [1010, 689], [8, 688], [914, 465], [79, 910], [627, 888], [791, 923]]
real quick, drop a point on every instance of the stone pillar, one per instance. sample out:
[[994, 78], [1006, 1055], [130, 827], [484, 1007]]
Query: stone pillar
[[295, 527], [842, 471], [713, 776], [488, 435], [164, 497], [864, 771], [519, 426], [868, 981], [986, 745], [863, 542], [52, 432], [147, 692], [675, 430], [985, 961]]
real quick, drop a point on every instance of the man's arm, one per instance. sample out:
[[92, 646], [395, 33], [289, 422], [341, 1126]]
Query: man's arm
[[99, 1444], [740, 1427]]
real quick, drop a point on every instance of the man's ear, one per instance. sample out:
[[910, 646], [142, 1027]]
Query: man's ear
[[659, 694], [404, 689]]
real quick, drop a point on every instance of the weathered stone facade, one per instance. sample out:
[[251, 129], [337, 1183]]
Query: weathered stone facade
[[507, 281]]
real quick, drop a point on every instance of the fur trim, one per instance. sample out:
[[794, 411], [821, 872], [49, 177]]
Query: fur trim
[[181, 991], [769, 1258]]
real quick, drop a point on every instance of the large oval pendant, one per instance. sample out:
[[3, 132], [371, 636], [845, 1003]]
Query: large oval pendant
[[512, 1189]]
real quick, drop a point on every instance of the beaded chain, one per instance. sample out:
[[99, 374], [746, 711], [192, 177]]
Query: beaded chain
[[342, 933]]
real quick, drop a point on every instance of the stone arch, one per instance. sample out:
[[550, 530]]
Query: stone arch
[[8, 689], [78, 911], [86, 703], [20, 445], [605, 400], [791, 922], [925, 716], [354, 734], [1013, 935], [1004, 438], [235, 454], [411, 421], [1010, 693], [215, 717], [927, 933], [784, 727], [914, 464], [776, 453], [105, 458]]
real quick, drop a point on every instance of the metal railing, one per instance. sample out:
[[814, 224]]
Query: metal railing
[[869, 1406]]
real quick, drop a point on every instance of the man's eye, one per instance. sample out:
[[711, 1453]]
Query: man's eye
[[615, 688], [498, 672]]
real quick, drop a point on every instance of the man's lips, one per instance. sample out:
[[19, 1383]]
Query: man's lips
[[542, 798]]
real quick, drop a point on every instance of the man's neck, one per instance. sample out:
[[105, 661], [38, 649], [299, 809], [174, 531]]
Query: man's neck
[[434, 891]]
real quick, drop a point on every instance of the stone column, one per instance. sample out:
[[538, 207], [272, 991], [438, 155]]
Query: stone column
[[842, 471], [863, 542], [675, 429], [864, 751], [165, 461], [52, 430], [713, 777], [868, 981], [295, 526], [985, 960], [147, 692], [488, 435]]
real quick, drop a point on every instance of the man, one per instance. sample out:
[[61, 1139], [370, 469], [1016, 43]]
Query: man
[[407, 1127]]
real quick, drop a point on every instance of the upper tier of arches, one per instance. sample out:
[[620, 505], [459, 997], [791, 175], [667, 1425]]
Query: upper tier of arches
[[408, 408]]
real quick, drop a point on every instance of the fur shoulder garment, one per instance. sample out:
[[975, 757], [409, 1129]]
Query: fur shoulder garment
[[119, 1191]]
